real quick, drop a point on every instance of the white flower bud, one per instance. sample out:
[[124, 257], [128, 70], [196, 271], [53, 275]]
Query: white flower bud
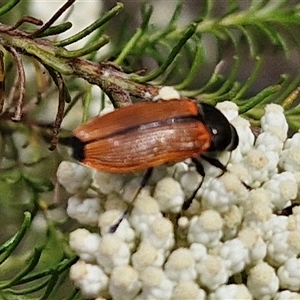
[[212, 271], [187, 290], [229, 109], [235, 254], [74, 177], [223, 192], [257, 248], [262, 281], [85, 244], [169, 195], [159, 234], [283, 188], [146, 256], [190, 181], [290, 159], [180, 265], [231, 291], [267, 141], [167, 93], [289, 275], [287, 295], [155, 285], [124, 283], [124, 231], [231, 222], [89, 278], [85, 211], [199, 251], [290, 156], [274, 121], [112, 252], [282, 246], [144, 212], [107, 183], [256, 162], [206, 228], [246, 138]]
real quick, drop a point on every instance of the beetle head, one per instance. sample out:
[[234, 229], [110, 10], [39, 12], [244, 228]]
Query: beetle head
[[224, 135]]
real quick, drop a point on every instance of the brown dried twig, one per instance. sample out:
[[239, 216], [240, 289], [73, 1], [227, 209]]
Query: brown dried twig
[[21, 83], [24, 19], [62, 92], [2, 82]]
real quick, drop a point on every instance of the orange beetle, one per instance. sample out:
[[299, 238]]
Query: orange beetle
[[148, 134]]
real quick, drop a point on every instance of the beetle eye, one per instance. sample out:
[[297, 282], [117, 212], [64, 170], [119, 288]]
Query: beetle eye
[[214, 131]]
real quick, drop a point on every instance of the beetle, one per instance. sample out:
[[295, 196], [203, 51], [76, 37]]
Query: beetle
[[148, 134]]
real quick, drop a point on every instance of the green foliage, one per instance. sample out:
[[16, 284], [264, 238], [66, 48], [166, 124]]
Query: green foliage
[[179, 56], [29, 276]]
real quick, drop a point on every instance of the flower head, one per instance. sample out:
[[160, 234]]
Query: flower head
[[233, 228]]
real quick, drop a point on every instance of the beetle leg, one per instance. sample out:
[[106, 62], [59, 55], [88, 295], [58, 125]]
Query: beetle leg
[[287, 210], [114, 227], [211, 160], [145, 179], [215, 162], [199, 167], [187, 203], [144, 182]]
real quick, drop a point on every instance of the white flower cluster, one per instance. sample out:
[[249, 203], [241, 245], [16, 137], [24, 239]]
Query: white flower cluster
[[232, 243]]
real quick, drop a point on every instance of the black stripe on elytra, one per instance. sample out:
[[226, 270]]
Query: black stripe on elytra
[[154, 124]]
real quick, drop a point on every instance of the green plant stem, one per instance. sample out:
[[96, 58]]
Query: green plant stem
[[104, 19], [31, 265], [259, 98], [8, 6], [51, 284], [86, 104], [56, 29], [8, 247], [42, 50], [225, 96], [136, 37], [294, 122], [29, 290], [62, 266], [214, 81], [251, 79], [198, 60], [96, 45], [73, 295], [287, 91], [189, 32]]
